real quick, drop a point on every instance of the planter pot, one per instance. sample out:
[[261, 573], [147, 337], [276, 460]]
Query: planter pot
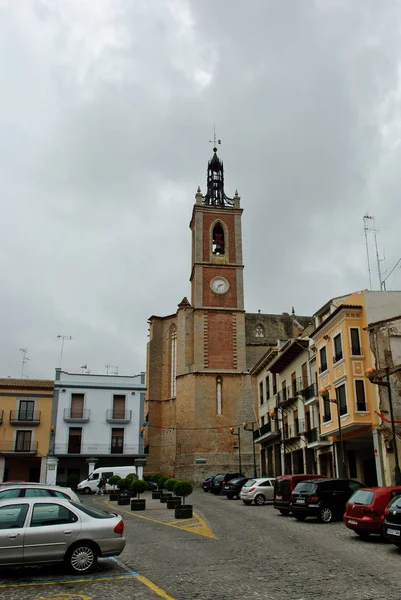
[[114, 496], [138, 504], [123, 500], [184, 512], [156, 495], [173, 502], [165, 497]]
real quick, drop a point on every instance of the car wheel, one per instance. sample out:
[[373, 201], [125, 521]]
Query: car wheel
[[81, 558], [247, 502], [260, 500], [300, 517], [326, 514], [87, 490], [284, 512]]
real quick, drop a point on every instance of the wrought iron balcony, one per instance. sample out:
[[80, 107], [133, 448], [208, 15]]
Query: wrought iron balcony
[[18, 446], [24, 417], [93, 449], [310, 394], [118, 416], [295, 430], [267, 431], [315, 439], [73, 415]]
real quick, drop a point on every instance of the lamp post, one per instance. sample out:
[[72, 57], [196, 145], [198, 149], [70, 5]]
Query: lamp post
[[273, 415], [324, 393], [245, 426], [374, 377], [232, 431]]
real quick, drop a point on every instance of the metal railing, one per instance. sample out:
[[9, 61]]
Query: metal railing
[[263, 429], [94, 449], [310, 392], [77, 415], [18, 446], [25, 416], [312, 435], [118, 415]]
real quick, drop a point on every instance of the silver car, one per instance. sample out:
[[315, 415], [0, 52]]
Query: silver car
[[51, 530], [258, 490], [36, 490]]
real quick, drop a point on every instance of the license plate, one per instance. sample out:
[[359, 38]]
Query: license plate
[[393, 531], [226, 487], [352, 522], [279, 497], [300, 500]]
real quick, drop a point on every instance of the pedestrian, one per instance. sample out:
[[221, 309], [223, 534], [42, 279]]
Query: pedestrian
[[101, 486]]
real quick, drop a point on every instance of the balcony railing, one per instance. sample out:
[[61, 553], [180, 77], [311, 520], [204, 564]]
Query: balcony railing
[[323, 367], [310, 393], [18, 447], [313, 436], [23, 417], [295, 429], [118, 416], [73, 415], [94, 449], [337, 357], [263, 429]]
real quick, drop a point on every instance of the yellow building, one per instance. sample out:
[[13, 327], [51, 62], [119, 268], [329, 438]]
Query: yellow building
[[25, 419], [344, 355]]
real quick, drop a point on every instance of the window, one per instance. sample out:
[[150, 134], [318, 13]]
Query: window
[[13, 516], [304, 370], [26, 410], [9, 494], [23, 441], [267, 387], [326, 410], [60, 495], [117, 441], [262, 421], [355, 342], [77, 406], [219, 396], [294, 384], [274, 384], [341, 399], [360, 395], [323, 359], [118, 406], [44, 515], [218, 239], [338, 348], [36, 493], [283, 390], [92, 512], [261, 392], [259, 331], [74, 440], [173, 361]]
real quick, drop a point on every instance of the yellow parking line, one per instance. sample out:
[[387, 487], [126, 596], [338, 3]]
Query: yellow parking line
[[155, 588], [66, 581]]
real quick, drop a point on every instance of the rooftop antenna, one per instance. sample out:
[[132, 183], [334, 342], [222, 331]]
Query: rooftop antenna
[[63, 338], [382, 284], [366, 229], [24, 360], [83, 367], [214, 141], [107, 367]]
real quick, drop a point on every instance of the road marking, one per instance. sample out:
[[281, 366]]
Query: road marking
[[197, 525], [69, 580], [64, 597], [155, 588]]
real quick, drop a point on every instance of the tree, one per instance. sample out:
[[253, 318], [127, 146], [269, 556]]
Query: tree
[[124, 484], [169, 485], [184, 489], [132, 477], [114, 479], [156, 477], [138, 486], [161, 482]]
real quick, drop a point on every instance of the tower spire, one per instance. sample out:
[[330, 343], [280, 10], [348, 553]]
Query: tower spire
[[215, 195]]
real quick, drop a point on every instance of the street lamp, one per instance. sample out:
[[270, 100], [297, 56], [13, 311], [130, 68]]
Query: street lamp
[[245, 426], [374, 377], [232, 431], [324, 393], [273, 415]]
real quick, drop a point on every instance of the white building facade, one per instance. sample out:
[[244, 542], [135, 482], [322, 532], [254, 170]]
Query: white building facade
[[97, 421]]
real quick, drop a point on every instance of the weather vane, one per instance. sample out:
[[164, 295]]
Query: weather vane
[[214, 141]]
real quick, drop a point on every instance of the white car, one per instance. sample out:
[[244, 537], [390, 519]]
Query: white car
[[37, 490], [258, 491]]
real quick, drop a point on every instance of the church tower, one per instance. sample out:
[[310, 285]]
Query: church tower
[[199, 386]]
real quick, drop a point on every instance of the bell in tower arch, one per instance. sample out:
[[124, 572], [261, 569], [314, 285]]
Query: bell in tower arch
[[218, 239]]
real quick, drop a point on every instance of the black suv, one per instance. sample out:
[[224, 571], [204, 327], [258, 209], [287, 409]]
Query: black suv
[[392, 522], [207, 483], [322, 498], [220, 481], [233, 487]]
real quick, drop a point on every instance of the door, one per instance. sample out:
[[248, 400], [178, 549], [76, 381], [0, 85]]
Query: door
[[118, 407], [12, 520], [304, 368], [74, 440], [26, 410], [77, 406], [23, 441], [267, 488], [52, 528]]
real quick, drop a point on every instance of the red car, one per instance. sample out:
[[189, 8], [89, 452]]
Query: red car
[[364, 511]]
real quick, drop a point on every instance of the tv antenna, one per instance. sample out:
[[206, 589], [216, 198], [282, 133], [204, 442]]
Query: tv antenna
[[63, 338], [366, 218], [108, 367], [24, 360], [214, 141]]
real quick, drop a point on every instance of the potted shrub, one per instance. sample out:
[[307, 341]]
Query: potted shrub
[[114, 479], [131, 477], [123, 485], [138, 486], [157, 493], [183, 489], [172, 502], [161, 482]]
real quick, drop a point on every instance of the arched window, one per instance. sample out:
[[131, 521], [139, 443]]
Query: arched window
[[259, 331], [218, 239], [173, 360], [219, 396]]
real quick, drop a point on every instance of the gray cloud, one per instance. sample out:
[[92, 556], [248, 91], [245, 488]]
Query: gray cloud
[[105, 119]]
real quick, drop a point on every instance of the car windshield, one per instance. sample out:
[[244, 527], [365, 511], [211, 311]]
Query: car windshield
[[92, 512], [250, 482], [305, 486], [219, 478], [281, 486], [363, 497], [237, 480], [395, 502]]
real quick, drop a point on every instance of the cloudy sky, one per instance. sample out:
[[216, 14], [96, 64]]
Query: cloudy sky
[[106, 112]]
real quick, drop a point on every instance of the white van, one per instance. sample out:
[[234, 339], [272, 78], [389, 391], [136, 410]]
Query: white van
[[89, 485]]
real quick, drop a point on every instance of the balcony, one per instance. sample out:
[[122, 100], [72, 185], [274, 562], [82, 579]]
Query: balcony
[[76, 415], [323, 367], [24, 417], [18, 447], [291, 393], [295, 430], [314, 439], [310, 395], [118, 416], [93, 449], [337, 357], [264, 433]]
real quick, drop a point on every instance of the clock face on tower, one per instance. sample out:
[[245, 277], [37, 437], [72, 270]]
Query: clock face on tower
[[219, 285]]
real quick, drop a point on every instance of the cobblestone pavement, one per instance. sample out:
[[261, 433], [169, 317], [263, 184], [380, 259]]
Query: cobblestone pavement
[[230, 552]]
